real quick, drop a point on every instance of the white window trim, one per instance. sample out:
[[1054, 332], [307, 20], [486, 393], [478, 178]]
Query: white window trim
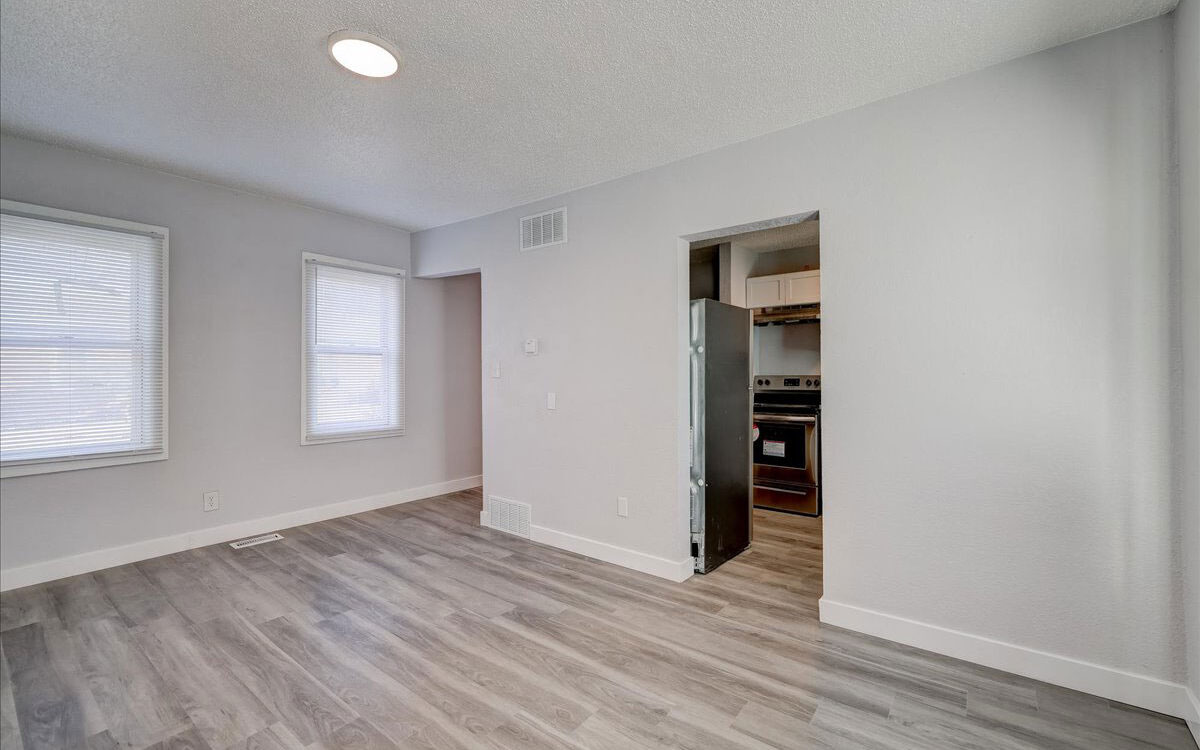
[[51, 465], [356, 265]]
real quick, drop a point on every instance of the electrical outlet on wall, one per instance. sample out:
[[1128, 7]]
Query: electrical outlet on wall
[[623, 507], [212, 501]]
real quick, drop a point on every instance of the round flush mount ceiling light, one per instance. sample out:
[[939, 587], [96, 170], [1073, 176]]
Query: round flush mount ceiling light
[[364, 54]]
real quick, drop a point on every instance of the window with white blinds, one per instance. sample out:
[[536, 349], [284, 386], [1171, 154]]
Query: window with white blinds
[[82, 340], [353, 368]]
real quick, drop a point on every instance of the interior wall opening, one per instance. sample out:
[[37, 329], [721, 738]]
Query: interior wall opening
[[754, 398], [462, 363]]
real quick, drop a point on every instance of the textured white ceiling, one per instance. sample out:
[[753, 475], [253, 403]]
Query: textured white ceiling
[[499, 102]]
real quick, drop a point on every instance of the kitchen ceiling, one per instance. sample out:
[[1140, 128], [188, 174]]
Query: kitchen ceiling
[[497, 103], [783, 237]]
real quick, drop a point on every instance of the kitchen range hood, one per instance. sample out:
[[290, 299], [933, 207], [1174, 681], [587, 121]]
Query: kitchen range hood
[[787, 315]]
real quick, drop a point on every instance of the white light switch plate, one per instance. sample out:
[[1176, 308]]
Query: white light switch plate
[[531, 346], [551, 400], [495, 369], [623, 507]]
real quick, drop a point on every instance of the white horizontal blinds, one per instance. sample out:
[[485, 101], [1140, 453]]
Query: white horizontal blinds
[[81, 341], [354, 351]]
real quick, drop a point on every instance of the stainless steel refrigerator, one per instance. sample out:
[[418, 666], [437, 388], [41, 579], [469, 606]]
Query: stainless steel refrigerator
[[720, 431]]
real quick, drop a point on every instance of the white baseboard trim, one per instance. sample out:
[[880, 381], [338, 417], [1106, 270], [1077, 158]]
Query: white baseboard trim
[[1194, 722], [1115, 684], [672, 570], [51, 570]]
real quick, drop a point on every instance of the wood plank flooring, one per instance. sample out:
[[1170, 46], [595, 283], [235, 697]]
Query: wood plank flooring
[[413, 627]]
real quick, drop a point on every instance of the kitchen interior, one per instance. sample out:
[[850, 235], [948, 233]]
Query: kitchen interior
[[755, 347]]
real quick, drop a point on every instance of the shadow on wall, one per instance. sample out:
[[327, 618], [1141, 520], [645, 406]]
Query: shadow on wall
[[461, 365]]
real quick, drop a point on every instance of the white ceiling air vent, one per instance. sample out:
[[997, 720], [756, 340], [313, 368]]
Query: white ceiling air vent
[[507, 515], [544, 229]]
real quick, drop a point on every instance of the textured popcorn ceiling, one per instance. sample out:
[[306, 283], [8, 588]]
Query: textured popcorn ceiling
[[499, 102]]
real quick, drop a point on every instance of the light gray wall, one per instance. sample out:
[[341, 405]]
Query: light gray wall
[[995, 255], [786, 261], [741, 260], [235, 366], [787, 350], [1187, 129], [702, 278]]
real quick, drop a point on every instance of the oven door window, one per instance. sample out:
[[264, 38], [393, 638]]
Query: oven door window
[[782, 445]]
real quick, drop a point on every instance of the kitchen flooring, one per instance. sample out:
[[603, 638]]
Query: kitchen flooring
[[413, 627]]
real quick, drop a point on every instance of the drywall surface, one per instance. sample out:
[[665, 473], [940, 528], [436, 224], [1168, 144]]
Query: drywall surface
[[741, 260], [786, 261], [787, 350], [702, 279], [235, 367], [1187, 130], [995, 255]]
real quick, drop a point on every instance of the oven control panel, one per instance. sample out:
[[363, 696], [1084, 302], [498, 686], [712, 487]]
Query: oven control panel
[[787, 382]]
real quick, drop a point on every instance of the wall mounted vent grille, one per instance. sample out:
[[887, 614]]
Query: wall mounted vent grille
[[544, 229], [262, 539], [506, 515]]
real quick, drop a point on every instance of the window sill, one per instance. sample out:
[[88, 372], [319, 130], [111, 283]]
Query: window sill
[[57, 465], [347, 436]]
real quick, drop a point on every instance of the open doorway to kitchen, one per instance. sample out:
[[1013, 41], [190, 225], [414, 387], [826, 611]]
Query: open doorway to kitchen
[[753, 350]]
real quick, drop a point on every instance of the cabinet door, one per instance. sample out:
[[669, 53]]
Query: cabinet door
[[764, 292], [803, 289]]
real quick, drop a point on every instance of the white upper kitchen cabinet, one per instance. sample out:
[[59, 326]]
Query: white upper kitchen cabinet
[[767, 291], [799, 288]]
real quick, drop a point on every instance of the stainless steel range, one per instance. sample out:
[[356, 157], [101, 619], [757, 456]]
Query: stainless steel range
[[787, 443]]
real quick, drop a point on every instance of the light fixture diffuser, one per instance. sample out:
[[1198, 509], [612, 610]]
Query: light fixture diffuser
[[364, 54]]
